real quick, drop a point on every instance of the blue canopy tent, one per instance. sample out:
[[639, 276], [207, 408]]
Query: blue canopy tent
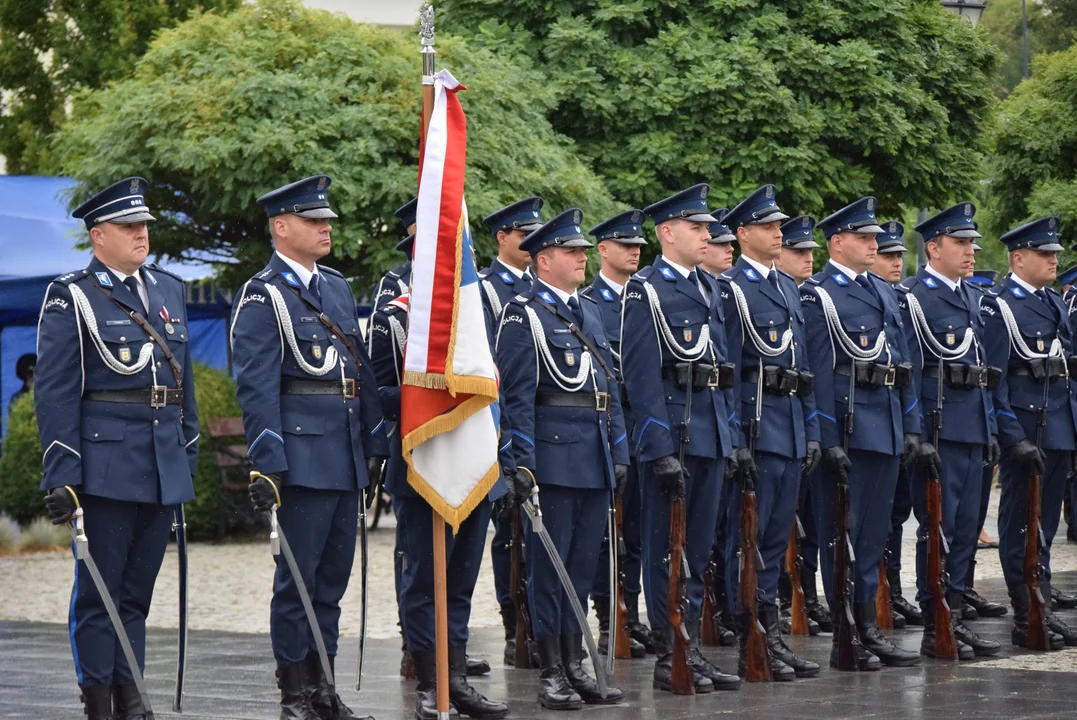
[[37, 244]]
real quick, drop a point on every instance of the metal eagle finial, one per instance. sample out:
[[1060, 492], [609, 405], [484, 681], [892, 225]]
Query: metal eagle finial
[[426, 24]]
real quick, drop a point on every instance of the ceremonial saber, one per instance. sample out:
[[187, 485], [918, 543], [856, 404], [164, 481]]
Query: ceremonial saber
[[364, 596], [180, 526]]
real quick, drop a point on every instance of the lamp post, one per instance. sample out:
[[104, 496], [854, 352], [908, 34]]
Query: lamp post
[[971, 10]]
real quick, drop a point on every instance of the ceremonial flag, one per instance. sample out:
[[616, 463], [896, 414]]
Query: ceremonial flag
[[448, 399]]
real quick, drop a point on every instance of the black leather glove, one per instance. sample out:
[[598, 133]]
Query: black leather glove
[[667, 469], [375, 475], [812, 455], [746, 469], [520, 483], [61, 504], [1028, 456], [993, 453], [912, 448], [732, 470], [620, 477], [502, 506], [835, 460], [264, 491], [928, 460]]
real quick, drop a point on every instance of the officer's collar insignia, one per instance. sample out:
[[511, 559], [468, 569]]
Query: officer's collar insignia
[[290, 279], [930, 282], [507, 277], [667, 273], [104, 278], [751, 274], [606, 294], [840, 279], [570, 358], [149, 275], [547, 297], [1017, 292]]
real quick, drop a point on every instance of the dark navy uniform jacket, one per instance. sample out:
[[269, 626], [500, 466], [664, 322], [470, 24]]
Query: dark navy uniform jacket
[[1018, 398], [122, 451], [788, 422], [499, 285], [386, 335], [318, 441], [967, 415], [658, 405], [567, 446], [883, 415], [392, 285], [609, 303]]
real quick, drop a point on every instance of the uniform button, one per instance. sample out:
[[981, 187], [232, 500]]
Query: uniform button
[[554, 437], [861, 327], [156, 422], [123, 339], [95, 434], [182, 336], [350, 411], [315, 336], [158, 363], [298, 429]]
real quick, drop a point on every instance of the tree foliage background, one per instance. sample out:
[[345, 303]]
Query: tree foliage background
[[51, 48], [226, 107]]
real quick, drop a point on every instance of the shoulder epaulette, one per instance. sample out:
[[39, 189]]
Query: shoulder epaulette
[[816, 279], [783, 272], [586, 292], [587, 296], [157, 268], [729, 274], [644, 273], [331, 271], [68, 278]]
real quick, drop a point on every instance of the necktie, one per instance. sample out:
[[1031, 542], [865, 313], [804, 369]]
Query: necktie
[[577, 311], [693, 277], [316, 287], [863, 281], [132, 285], [1042, 295]]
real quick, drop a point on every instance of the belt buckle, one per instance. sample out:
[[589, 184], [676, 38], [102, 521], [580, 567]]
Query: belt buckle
[[602, 402], [158, 396], [349, 388], [891, 376], [713, 377]]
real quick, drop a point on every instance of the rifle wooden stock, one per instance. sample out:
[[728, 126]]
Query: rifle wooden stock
[[798, 609], [883, 613], [846, 637], [945, 643], [1038, 638], [682, 680], [622, 649], [708, 630], [757, 659], [518, 580]]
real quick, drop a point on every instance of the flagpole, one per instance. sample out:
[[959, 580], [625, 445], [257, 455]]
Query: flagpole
[[441, 618]]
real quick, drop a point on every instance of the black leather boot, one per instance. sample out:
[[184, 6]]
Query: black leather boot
[[663, 666], [817, 612], [1064, 601], [294, 692], [901, 606], [1020, 598], [466, 699], [702, 666], [1054, 623], [426, 692], [984, 607], [584, 685], [127, 702], [96, 701], [981, 647], [326, 702], [476, 667], [602, 612], [927, 643], [777, 648], [508, 620], [637, 630], [555, 693], [876, 643]]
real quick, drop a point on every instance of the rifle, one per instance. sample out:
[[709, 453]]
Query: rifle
[[708, 630], [883, 613], [798, 609], [682, 680], [518, 580], [1038, 637], [622, 648], [757, 658], [846, 637], [937, 548]]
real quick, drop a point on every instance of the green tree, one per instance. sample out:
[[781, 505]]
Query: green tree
[[829, 99], [20, 465], [224, 108], [1002, 23], [50, 48], [1057, 23]]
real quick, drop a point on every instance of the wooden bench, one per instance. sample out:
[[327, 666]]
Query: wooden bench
[[233, 470]]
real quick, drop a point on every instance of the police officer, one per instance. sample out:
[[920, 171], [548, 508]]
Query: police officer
[[855, 331], [315, 432], [568, 435], [1067, 280], [395, 282], [796, 261], [890, 265], [114, 398], [508, 275], [619, 241], [719, 255], [1028, 338], [414, 543], [765, 339], [945, 336], [672, 352]]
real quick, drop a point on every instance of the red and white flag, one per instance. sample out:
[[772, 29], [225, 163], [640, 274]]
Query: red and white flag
[[448, 402]]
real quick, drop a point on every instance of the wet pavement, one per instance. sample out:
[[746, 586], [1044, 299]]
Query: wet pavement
[[230, 677]]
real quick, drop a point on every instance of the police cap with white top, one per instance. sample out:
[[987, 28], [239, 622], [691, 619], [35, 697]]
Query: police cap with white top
[[122, 203], [307, 198]]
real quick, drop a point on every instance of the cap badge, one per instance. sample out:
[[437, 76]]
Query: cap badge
[[576, 217], [134, 186], [321, 184], [968, 209], [871, 203], [770, 191]]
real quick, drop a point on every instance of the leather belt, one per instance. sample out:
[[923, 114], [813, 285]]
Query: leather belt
[[157, 396], [294, 386], [703, 376], [877, 375], [781, 381], [599, 402], [962, 376]]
